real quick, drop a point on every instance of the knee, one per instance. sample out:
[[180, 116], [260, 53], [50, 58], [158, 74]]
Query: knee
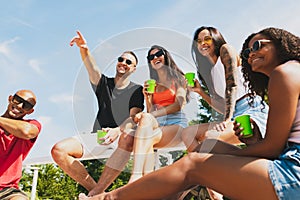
[[64, 148], [126, 142], [147, 120], [58, 151], [191, 165]]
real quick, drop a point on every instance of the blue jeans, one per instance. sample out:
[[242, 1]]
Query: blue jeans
[[285, 173], [177, 118]]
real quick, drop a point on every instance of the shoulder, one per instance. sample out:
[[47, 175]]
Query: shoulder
[[286, 75], [289, 68], [228, 55], [227, 48], [135, 85]]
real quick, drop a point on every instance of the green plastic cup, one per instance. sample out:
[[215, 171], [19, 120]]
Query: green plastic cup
[[151, 86], [100, 134], [244, 120], [190, 76]]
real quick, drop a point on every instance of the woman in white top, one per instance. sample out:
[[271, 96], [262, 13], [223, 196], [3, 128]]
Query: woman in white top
[[219, 69], [266, 169]]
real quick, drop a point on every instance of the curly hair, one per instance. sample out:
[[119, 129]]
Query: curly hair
[[287, 48]]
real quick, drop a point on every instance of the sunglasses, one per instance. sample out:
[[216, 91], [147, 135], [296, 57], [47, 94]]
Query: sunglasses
[[157, 54], [127, 61], [206, 40], [25, 104], [257, 45]]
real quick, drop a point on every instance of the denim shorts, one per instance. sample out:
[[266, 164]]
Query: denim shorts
[[177, 118], [284, 173], [258, 112]]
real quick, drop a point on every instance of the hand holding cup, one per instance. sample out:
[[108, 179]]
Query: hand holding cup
[[151, 86], [190, 76], [245, 123]]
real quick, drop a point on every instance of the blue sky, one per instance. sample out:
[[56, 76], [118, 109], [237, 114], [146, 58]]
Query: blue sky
[[35, 51]]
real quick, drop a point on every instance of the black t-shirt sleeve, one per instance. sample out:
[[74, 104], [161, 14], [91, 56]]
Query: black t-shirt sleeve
[[137, 99]]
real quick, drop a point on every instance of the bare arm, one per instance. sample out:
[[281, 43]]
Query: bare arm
[[175, 107], [88, 60], [284, 91], [19, 128], [229, 59], [217, 104]]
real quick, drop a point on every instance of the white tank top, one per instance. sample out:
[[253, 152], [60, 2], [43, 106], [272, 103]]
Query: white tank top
[[295, 131], [219, 82]]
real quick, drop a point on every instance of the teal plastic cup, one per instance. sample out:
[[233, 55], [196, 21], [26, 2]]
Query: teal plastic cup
[[190, 76], [244, 121], [151, 86], [100, 134]]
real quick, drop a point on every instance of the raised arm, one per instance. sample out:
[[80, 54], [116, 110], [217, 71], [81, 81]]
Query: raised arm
[[229, 59], [88, 60]]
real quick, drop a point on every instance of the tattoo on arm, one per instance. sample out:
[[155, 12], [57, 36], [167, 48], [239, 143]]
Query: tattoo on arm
[[229, 60]]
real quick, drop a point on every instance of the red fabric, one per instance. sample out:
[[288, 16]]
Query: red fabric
[[165, 98], [13, 151]]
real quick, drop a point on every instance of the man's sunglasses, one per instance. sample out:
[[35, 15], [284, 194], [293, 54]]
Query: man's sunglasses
[[257, 45], [157, 54], [25, 104], [127, 61], [206, 40]]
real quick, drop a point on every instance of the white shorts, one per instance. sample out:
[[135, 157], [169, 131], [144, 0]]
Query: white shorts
[[93, 150]]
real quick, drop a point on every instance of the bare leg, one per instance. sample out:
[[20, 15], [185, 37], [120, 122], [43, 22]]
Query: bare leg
[[193, 135], [145, 138], [19, 197], [115, 164], [242, 178], [64, 154]]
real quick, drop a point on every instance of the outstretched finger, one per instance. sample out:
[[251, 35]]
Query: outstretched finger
[[73, 40]]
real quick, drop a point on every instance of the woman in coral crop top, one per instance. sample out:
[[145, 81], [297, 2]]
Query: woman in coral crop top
[[164, 121]]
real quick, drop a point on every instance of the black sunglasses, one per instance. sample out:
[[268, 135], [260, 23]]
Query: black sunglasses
[[157, 54], [257, 45], [25, 104], [127, 61]]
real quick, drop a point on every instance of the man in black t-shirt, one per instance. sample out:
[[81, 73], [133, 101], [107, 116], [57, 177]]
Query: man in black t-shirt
[[119, 100]]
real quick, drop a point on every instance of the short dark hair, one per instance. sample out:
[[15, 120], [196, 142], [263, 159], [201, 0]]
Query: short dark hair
[[132, 53]]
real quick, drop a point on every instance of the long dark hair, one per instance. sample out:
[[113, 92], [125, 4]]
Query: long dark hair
[[199, 59], [287, 47], [173, 71]]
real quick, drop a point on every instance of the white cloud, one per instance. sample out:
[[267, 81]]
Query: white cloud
[[5, 49], [35, 65], [62, 98], [22, 22], [45, 120]]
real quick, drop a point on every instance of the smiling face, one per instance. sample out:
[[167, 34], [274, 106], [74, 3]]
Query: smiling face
[[263, 59], [205, 43], [20, 104], [157, 58], [126, 63]]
